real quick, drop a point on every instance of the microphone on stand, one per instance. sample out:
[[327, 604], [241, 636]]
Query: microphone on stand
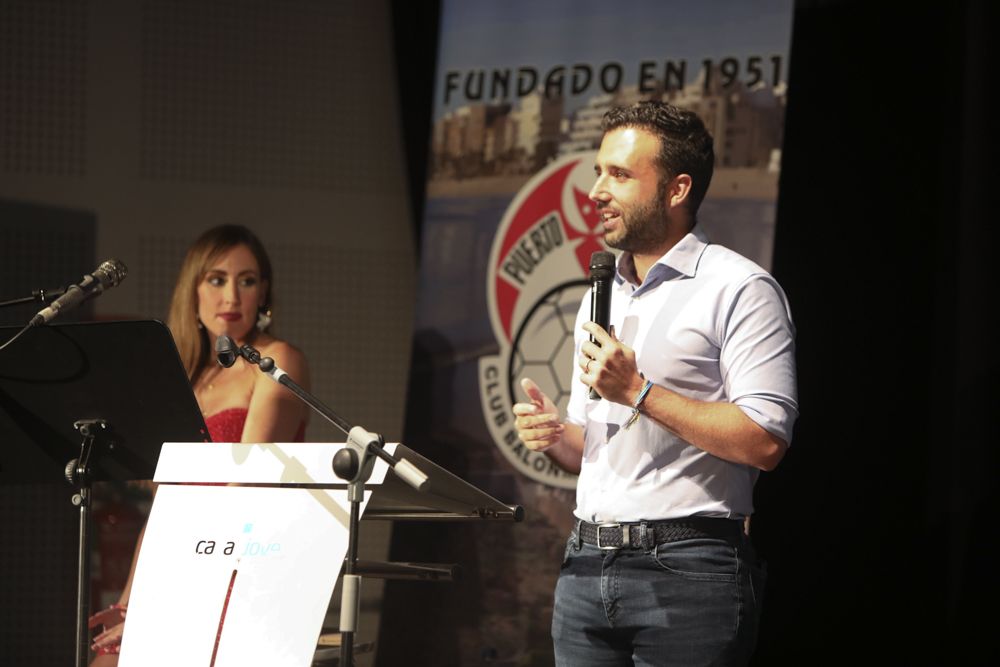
[[225, 351], [106, 276], [602, 271]]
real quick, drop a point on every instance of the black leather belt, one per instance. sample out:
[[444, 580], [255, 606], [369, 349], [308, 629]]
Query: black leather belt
[[648, 534]]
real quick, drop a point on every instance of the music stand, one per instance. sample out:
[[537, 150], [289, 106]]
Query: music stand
[[91, 402]]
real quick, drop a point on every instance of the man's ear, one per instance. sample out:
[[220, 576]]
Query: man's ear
[[678, 191]]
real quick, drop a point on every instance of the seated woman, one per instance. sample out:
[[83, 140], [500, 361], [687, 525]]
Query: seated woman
[[224, 287]]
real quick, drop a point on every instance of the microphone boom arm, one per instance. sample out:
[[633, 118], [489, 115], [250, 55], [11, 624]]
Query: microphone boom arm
[[352, 463], [362, 445]]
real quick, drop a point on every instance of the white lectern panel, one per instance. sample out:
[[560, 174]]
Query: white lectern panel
[[269, 557]]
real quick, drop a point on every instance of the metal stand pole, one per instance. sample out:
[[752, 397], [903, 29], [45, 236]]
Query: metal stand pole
[[78, 474], [82, 498], [350, 597]]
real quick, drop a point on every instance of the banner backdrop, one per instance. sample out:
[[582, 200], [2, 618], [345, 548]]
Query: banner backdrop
[[509, 229]]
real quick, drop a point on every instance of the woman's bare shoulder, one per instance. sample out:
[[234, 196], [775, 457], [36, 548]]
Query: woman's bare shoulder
[[284, 353]]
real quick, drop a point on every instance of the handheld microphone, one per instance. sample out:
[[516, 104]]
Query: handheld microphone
[[602, 271], [106, 276]]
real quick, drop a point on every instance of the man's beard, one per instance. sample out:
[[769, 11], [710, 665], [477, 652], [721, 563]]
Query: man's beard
[[643, 228]]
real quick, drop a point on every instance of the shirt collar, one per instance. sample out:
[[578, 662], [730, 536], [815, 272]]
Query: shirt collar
[[682, 259]]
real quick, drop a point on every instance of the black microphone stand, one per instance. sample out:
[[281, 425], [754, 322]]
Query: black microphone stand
[[353, 463], [37, 296], [79, 473]]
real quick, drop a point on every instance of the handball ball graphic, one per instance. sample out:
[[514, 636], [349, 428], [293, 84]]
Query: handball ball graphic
[[543, 346]]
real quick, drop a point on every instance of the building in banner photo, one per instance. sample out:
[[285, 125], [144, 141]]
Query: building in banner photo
[[485, 139]]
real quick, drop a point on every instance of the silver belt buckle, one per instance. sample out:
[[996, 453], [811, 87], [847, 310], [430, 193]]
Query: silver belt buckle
[[610, 525]]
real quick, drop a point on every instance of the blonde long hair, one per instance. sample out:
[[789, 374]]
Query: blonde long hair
[[190, 338]]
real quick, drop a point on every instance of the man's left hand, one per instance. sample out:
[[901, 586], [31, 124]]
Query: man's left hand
[[610, 367]]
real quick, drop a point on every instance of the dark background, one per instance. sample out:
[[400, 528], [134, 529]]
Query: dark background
[[877, 525]]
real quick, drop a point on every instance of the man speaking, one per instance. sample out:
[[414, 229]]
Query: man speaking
[[697, 394]]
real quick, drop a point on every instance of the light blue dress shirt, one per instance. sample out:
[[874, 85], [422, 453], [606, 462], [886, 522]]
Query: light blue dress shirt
[[713, 326]]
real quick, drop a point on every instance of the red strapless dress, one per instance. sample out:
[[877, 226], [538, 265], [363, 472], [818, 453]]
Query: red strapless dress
[[227, 426]]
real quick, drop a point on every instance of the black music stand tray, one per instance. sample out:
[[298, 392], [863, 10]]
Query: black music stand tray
[[91, 402]]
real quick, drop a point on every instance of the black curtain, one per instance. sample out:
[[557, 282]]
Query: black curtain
[[877, 525]]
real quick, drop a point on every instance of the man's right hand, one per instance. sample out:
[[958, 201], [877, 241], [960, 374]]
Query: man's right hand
[[538, 423]]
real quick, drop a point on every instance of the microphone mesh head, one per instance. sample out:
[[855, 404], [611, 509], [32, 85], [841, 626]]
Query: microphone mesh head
[[225, 351], [602, 265], [111, 272]]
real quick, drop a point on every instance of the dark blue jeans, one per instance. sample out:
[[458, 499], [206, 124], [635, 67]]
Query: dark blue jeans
[[686, 603]]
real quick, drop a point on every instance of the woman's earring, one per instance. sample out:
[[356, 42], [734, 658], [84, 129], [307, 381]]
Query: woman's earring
[[200, 325], [264, 318]]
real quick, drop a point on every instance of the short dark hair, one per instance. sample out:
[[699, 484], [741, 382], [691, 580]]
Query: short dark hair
[[685, 144]]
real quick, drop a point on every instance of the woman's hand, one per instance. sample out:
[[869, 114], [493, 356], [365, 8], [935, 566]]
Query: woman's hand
[[112, 620]]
